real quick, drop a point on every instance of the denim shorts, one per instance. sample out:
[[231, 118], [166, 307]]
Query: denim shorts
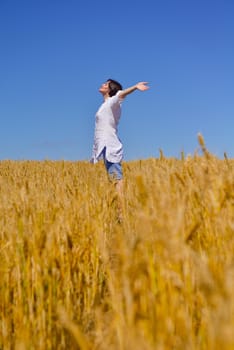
[[114, 170]]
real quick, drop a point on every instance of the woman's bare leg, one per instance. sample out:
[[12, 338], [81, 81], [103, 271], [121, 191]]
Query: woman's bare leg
[[120, 194]]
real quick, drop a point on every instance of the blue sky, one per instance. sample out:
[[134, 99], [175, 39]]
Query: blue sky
[[54, 55]]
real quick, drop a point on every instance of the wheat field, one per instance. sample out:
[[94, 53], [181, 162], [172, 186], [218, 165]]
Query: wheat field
[[73, 276]]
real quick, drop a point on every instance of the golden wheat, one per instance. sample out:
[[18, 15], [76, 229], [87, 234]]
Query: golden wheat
[[74, 277]]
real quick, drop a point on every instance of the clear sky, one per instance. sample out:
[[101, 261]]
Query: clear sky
[[54, 55]]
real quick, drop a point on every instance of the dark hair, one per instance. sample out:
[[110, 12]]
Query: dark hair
[[114, 87]]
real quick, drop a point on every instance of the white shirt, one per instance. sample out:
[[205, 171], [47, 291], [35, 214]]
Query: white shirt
[[106, 129]]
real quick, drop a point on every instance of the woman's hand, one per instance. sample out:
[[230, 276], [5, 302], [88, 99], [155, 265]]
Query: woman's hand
[[142, 86]]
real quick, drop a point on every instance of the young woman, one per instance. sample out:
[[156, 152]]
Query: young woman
[[107, 144]]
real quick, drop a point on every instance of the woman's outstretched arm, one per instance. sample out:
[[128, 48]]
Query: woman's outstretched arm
[[142, 86]]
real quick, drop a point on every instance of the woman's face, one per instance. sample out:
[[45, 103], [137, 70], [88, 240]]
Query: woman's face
[[104, 88]]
